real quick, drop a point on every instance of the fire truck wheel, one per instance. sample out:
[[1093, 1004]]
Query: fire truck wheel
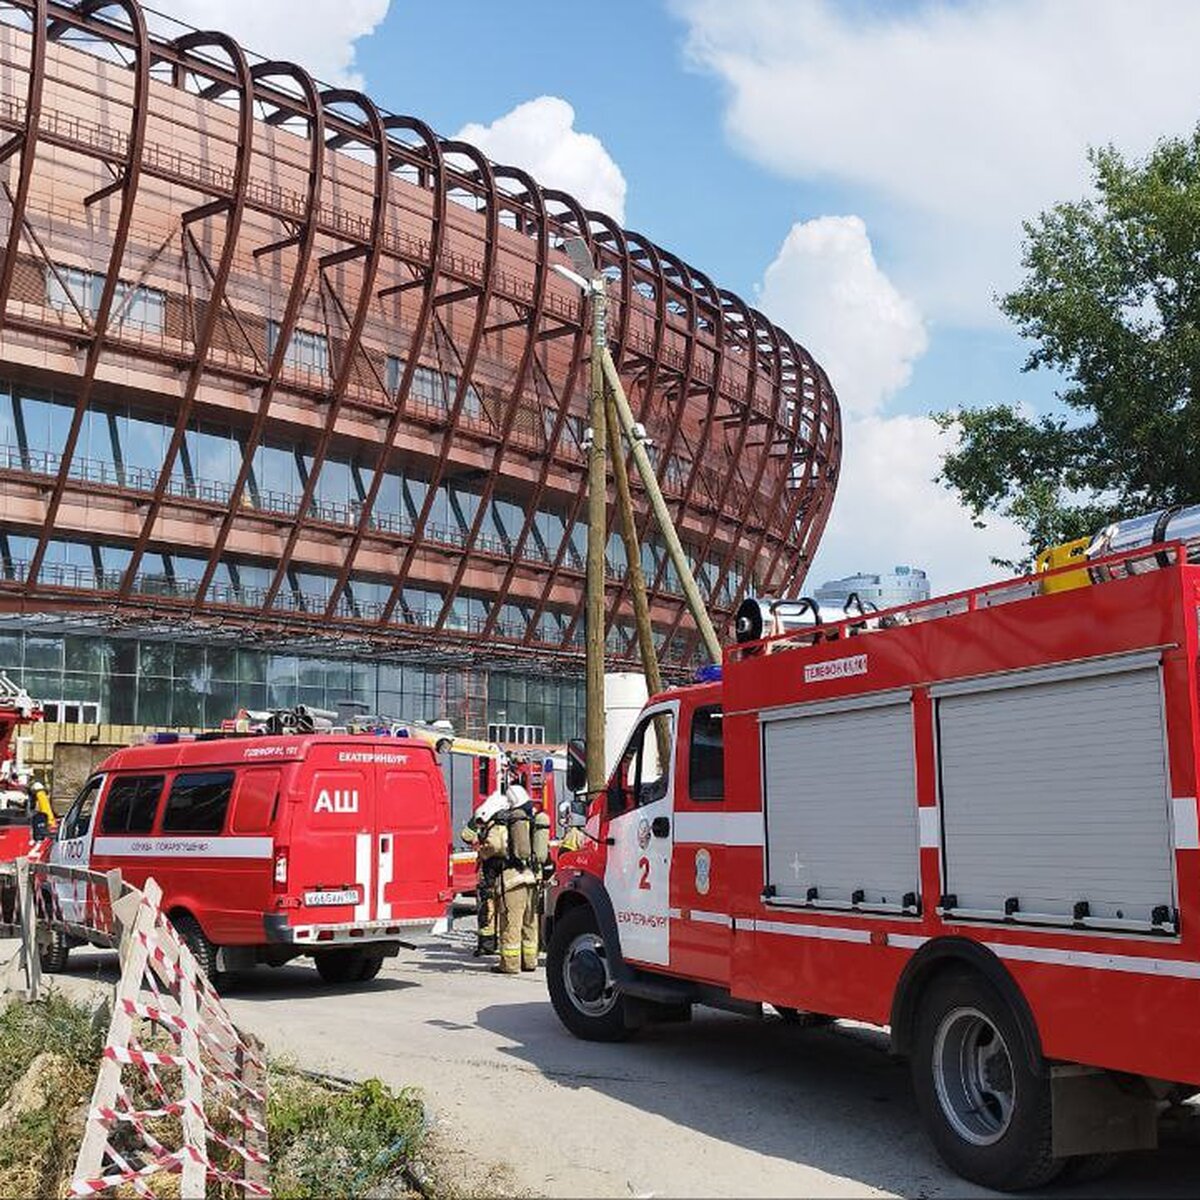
[[581, 984], [986, 1111], [342, 966], [372, 965], [203, 951], [1087, 1168], [54, 953]]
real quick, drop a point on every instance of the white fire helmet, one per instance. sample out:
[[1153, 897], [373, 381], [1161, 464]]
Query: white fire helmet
[[497, 802]]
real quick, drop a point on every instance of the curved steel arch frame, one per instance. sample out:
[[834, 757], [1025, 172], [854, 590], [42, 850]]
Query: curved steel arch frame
[[750, 412]]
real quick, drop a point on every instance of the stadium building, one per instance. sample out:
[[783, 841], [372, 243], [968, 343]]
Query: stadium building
[[292, 403]]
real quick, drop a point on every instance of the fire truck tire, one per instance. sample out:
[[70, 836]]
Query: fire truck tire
[[54, 954], [1087, 1168], [203, 951], [372, 965], [343, 966], [985, 1109], [580, 981]]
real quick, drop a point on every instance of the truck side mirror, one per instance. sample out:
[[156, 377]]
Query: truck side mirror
[[39, 826], [576, 765]]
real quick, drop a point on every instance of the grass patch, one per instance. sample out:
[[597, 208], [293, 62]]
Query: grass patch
[[38, 1145], [356, 1140], [326, 1137]]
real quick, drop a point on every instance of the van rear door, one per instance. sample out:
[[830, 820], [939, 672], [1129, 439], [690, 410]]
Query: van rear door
[[413, 825], [331, 838]]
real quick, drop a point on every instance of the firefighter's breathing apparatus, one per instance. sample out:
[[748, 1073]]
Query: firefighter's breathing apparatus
[[527, 830]]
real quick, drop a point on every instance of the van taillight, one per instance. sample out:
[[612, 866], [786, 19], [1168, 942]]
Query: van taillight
[[281, 870]]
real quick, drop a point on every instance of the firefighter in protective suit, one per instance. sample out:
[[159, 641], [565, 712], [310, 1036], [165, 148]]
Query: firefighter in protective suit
[[488, 868], [520, 838]]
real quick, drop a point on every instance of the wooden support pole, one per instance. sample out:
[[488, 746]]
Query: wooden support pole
[[596, 544], [633, 553], [637, 436]]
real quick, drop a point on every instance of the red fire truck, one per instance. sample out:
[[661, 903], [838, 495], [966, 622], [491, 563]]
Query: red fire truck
[[973, 820], [17, 710], [271, 847]]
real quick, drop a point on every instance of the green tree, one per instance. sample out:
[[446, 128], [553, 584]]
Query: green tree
[[1111, 299]]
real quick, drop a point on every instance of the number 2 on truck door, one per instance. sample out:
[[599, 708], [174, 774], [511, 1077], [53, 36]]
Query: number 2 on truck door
[[641, 803]]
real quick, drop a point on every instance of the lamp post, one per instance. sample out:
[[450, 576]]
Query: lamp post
[[591, 282]]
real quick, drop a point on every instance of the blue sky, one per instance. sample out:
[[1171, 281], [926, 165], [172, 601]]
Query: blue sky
[[858, 169]]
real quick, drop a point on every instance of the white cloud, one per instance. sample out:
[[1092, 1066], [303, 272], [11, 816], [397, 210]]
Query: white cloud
[[888, 510], [317, 34], [540, 136], [826, 289], [954, 122]]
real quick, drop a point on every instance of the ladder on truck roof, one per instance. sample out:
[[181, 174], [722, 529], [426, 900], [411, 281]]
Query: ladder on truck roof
[[1095, 573]]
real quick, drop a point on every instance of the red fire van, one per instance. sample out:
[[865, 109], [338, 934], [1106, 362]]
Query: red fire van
[[268, 848]]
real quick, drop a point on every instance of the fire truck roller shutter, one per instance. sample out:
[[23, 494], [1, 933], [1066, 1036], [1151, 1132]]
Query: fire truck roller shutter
[[1054, 794], [840, 802]]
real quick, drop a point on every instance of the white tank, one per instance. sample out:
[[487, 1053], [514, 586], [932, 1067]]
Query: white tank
[[625, 696], [1170, 525]]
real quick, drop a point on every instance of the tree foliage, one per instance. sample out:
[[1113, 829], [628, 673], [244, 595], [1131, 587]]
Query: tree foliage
[[1111, 299]]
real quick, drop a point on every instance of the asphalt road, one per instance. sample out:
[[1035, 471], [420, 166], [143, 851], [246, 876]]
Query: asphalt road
[[721, 1106]]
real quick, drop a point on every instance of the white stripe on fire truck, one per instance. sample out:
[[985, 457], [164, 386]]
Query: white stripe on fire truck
[[184, 847], [712, 918], [362, 875], [720, 829], [931, 829], [383, 909], [1183, 818], [1129, 964], [832, 933]]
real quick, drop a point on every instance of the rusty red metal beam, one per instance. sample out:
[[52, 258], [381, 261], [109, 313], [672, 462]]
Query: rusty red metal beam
[[126, 185], [533, 196], [466, 373], [233, 207], [25, 143], [374, 135], [314, 113], [433, 151]]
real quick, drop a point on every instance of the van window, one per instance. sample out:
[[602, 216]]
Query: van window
[[131, 804], [254, 807], [79, 819], [706, 758], [198, 802]]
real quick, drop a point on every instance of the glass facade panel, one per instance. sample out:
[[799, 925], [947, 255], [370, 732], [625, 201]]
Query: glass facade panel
[[156, 659]]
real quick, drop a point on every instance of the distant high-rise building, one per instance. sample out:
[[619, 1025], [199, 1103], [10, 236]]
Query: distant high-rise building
[[901, 585]]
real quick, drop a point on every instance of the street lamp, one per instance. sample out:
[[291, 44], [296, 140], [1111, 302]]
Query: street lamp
[[591, 283]]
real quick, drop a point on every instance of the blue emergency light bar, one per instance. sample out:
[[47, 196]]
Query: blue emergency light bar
[[709, 673]]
